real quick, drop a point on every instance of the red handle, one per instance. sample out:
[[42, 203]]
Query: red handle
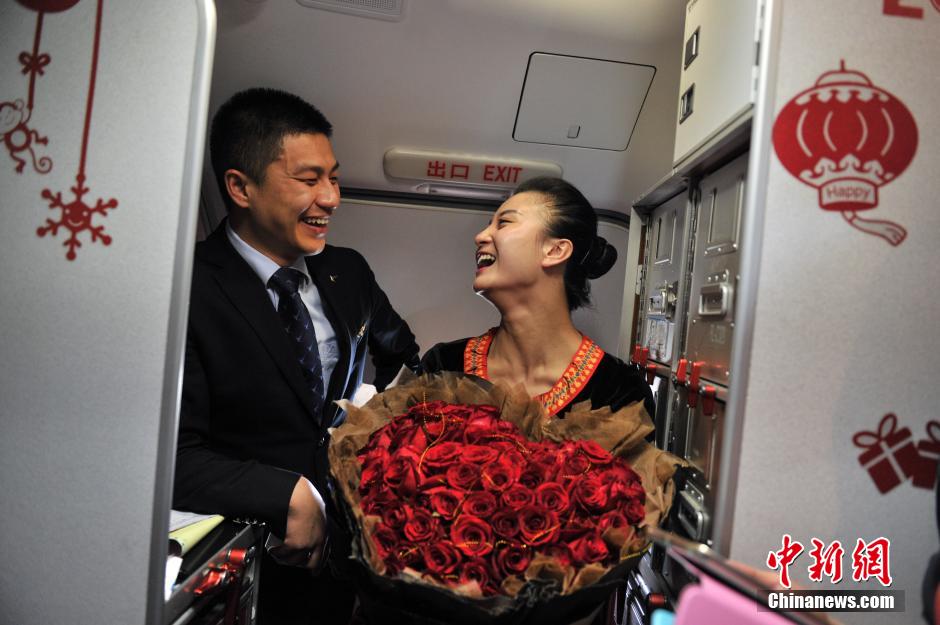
[[214, 579], [650, 372], [696, 374], [681, 371], [708, 401], [694, 383], [237, 557]]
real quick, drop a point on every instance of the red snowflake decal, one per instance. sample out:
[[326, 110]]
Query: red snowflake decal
[[76, 217]]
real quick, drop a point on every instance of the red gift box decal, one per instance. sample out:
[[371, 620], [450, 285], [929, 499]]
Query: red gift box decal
[[889, 454], [929, 451]]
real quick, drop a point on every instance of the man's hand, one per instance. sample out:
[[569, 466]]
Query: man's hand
[[306, 528]]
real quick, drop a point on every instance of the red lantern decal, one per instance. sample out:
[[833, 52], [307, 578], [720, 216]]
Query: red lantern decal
[[48, 6], [846, 137]]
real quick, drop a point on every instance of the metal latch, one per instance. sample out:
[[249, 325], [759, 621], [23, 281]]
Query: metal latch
[[716, 296], [663, 299], [692, 514]]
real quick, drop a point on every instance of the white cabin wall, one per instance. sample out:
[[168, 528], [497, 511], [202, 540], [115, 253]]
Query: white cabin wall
[[844, 323], [92, 347]]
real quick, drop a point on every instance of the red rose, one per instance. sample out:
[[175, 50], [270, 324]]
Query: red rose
[[505, 523], [546, 461], [380, 439], [378, 455], [538, 526], [500, 474], [385, 540], [504, 436], [372, 476], [623, 485], [480, 428], [472, 535], [377, 500], [590, 493], [613, 518], [620, 473], [395, 516], [463, 475], [441, 455], [405, 556], [575, 465], [410, 435], [401, 474], [532, 476], [421, 526], [441, 557], [480, 504], [445, 501], [512, 560], [635, 512], [475, 570], [576, 526], [515, 455], [478, 454], [517, 496], [459, 414], [589, 548], [552, 496], [597, 455]]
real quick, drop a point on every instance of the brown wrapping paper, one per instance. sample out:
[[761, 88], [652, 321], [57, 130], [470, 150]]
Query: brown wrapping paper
[[622, 433]]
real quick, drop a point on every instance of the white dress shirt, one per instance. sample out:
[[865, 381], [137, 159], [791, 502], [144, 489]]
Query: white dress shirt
[[265, 268]]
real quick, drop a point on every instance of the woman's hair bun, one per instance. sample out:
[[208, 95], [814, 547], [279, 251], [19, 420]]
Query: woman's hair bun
[[599, 258]]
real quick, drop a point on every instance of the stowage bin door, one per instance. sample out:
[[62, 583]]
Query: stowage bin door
[[663, 305], [715, 270]]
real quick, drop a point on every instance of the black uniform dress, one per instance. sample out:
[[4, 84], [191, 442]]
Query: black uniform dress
[[592, 375]]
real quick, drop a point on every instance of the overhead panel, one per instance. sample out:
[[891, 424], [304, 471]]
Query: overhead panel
[[581, 102], [392, 10]]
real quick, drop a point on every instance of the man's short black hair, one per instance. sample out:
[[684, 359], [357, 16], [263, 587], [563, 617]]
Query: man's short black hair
[[248, 130]]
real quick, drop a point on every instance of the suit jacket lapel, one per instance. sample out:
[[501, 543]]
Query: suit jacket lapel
[[330, 288], [242, 286]]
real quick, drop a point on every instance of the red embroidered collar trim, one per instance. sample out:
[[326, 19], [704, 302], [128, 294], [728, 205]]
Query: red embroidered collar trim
[[572, 381]]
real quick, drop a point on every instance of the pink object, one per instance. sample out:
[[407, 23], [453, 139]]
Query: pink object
[[711, 602]]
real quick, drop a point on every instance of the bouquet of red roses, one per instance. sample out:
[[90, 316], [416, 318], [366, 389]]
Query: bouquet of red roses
[[464, 497], [466, 505]]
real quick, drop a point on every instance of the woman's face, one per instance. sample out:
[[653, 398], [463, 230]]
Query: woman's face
[[511, 248]]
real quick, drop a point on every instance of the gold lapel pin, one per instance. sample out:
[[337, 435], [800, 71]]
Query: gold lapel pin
[[332, 277]]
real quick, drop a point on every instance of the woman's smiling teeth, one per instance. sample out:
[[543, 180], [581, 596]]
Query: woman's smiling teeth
[[484, 259]]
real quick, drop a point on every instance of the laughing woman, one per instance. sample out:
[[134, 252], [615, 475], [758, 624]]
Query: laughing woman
[[534, 260]]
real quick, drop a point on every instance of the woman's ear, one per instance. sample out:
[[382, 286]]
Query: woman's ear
[[556, 252], [236, 184]]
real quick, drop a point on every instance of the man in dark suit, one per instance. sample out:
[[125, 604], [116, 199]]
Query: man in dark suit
[[279, 326]]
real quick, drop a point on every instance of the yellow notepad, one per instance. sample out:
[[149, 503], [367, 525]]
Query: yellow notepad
[[189, 535]]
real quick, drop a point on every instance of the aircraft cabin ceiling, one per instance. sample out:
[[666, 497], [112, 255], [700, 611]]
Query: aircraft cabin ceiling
[[449, 76]]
